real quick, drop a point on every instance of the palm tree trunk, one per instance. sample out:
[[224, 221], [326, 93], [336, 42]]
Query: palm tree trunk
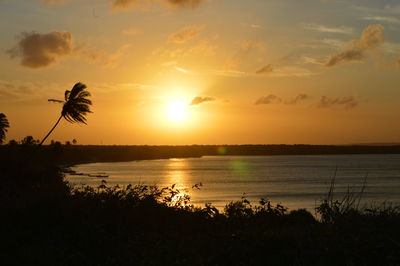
[[48, 134]]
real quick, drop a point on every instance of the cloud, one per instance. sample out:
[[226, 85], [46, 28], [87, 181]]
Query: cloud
[[268, 99], [107, 60], [54, 2], [348, 102], [42, 50], [249, 45], [33, 92], [200, 100], [381, 4], [203, 48], [383, 19], [184, 3], [10, 91], [245, 48], [291, 71], [130, 31], [265, 70], [322, 28], [253, 26], [333, 42], [371, 38], [182, 70], [276, 73], [125, 4], [298, 99], [311, 60], [273, 99], [185, 34]]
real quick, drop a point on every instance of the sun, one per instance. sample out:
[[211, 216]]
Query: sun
[[177, 111]]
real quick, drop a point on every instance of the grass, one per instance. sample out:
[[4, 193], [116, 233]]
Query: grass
[[45, 221]]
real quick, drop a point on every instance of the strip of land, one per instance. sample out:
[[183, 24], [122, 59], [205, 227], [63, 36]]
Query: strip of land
[[79, 154]]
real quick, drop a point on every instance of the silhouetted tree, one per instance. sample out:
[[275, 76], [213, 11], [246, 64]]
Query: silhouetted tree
[[74, 141], [12, 142], [3, 127], [28, 140], [76, 106]]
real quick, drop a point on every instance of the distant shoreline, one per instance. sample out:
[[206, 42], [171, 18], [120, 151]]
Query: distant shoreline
[[80, 154]]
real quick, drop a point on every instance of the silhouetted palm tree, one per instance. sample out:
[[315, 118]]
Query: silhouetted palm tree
[[76, 106], [3, 127]]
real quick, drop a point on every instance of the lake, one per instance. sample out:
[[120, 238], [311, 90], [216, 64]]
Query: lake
[[294, 181]]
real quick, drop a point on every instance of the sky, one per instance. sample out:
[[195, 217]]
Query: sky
[[182, 72]]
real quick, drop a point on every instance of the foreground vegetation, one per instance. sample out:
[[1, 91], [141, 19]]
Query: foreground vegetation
[[45, 221]]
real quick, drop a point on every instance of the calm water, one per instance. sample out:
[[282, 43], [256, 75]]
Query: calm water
[[294, 181]]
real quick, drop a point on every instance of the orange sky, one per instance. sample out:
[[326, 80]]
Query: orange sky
[[204, 72]]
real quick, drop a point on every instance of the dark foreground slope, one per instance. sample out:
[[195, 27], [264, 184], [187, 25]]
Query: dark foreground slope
[[46, 222]]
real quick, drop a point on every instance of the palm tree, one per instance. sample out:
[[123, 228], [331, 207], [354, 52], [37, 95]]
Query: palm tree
[[3, 127], [75, 106]]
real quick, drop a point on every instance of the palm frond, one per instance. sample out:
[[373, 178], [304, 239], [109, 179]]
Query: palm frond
[[78, 87], [77, 106], [3, 126], [55, 101], [66, 95]]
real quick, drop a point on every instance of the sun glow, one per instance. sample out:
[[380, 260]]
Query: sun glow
[[177, 111]]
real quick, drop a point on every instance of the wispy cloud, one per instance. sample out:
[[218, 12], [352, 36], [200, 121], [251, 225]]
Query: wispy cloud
[[273, 99], [371, 38], [298, 99], [180, 69], [269, 99], [383, 19], [245, 48], [103, 58], [55, 2], [333, 42], [185, 34], [28, 92], [125, 4], [265, 70], [184, 3], [292, 71], [201, 100], [348, 102], [130, 31], [202, 48], [37, 50], [325, 29], [250, 25], [322, 44], [11, 91], [276, 73], [314, 61]]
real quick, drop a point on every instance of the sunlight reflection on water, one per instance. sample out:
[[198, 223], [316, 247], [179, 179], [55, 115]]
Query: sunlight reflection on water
[[175, 173], [294, 181]]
